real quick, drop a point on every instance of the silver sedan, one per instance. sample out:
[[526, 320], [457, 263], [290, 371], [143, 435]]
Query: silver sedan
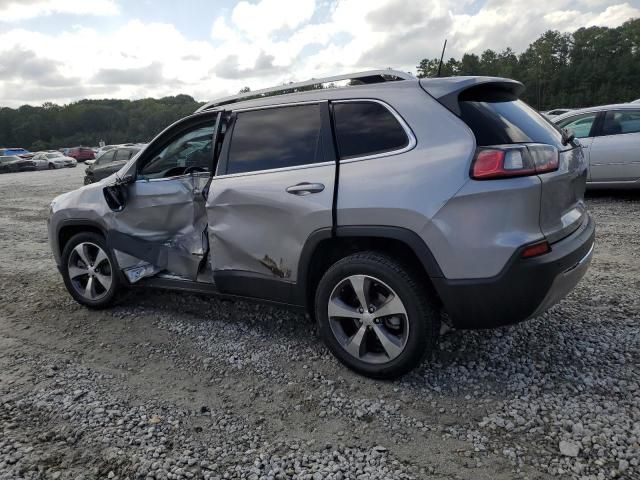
[[55, 160], [610, 136]]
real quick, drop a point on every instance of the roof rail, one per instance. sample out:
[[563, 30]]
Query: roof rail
[[369, 76]]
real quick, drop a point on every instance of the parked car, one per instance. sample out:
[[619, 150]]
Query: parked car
[[55, 159], [555, 112], [20, 152], [8, 163], [14, 163], [610, 137], [373, 207], [109, 163], [81, 153]]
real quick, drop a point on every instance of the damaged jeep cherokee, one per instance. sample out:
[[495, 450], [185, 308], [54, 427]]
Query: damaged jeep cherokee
[[379, 208]]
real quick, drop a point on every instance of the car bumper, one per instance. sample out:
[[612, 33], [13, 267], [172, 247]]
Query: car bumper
[[524, 289]]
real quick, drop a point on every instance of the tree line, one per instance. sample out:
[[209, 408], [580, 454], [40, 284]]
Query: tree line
[[592, 66], [87, 122]]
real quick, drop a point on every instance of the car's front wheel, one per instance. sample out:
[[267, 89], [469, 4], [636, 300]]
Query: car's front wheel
[[89, 270], [376, 315]]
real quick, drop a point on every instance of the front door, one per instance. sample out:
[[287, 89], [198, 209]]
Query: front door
[[583, 126], [273, 188], [163, 223]]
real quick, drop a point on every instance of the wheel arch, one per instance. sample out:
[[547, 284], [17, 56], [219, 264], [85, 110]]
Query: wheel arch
[[68, 228], [323, 248]]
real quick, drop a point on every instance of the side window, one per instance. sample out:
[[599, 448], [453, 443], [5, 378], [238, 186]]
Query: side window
[[190, 152], [366, 128], [580, 124], [122, 154], [275, 138], [107, 157], [616, 123]]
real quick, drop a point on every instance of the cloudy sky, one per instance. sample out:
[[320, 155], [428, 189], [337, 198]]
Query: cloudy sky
[[63, 50]]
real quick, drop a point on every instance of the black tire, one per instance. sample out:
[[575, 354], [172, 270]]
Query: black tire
[[51, 166], [423, 315], [107, 297]]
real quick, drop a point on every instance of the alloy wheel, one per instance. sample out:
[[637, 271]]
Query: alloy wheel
[[368, 319], [90, 271]]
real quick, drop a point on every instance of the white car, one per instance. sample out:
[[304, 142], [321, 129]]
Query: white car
[[54, 160], [610, 138]]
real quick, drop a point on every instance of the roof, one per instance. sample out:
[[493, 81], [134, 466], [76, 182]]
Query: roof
[[598, 108], [362, 78]]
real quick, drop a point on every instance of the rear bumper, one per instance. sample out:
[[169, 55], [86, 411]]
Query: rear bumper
[[525, 288]]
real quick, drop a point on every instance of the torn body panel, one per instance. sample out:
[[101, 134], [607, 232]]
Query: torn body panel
[[163, 223], [255, 225]]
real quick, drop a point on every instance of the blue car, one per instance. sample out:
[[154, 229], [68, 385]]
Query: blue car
[[19, 152]]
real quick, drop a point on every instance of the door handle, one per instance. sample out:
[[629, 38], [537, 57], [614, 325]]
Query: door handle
[[305, 188]]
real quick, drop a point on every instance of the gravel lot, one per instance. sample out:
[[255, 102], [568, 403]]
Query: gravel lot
[[171, 385]]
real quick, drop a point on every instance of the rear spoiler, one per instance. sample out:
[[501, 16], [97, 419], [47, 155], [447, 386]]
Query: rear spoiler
[[447, 90]]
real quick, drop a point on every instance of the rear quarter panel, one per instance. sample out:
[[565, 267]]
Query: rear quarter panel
[[408, 189]]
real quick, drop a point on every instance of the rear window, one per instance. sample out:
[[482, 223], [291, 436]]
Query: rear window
[[498, 119], [366, 128]]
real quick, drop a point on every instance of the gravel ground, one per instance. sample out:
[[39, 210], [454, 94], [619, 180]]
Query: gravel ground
[[171, 385]]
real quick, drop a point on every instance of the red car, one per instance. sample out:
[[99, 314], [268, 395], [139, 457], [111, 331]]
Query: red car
[[81, 153]]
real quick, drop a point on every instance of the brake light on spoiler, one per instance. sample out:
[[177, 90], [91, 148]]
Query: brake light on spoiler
[[508, 161]]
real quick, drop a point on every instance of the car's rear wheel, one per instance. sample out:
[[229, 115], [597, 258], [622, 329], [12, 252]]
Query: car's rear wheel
[[52, 166], [376, 315], [89, 270]]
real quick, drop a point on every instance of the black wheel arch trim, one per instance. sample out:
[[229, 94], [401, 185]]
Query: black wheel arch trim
[[411, 239], [76, 222]]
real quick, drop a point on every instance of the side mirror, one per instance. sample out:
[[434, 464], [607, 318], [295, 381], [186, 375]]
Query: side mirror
[[568, 136]]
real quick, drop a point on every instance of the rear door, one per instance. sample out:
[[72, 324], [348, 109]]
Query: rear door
[[615, 152], [273, 187], [499, 118]]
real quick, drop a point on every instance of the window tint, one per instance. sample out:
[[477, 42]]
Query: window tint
[[497, 120], [366, 128], [106, 157], [122, 154], [624, 121], [190, 150], [275, 138], [580, 124]]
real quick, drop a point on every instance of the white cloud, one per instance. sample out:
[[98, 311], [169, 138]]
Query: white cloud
[[268, 42], [15, 10], [267, 16]]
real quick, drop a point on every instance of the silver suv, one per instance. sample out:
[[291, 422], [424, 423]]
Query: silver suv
[[380, 208]]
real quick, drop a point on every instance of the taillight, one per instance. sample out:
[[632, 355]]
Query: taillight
[[507, 161]]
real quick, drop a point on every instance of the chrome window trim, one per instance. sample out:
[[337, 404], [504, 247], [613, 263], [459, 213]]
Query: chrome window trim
[[275, 170], [407, 130], [277, 105]]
